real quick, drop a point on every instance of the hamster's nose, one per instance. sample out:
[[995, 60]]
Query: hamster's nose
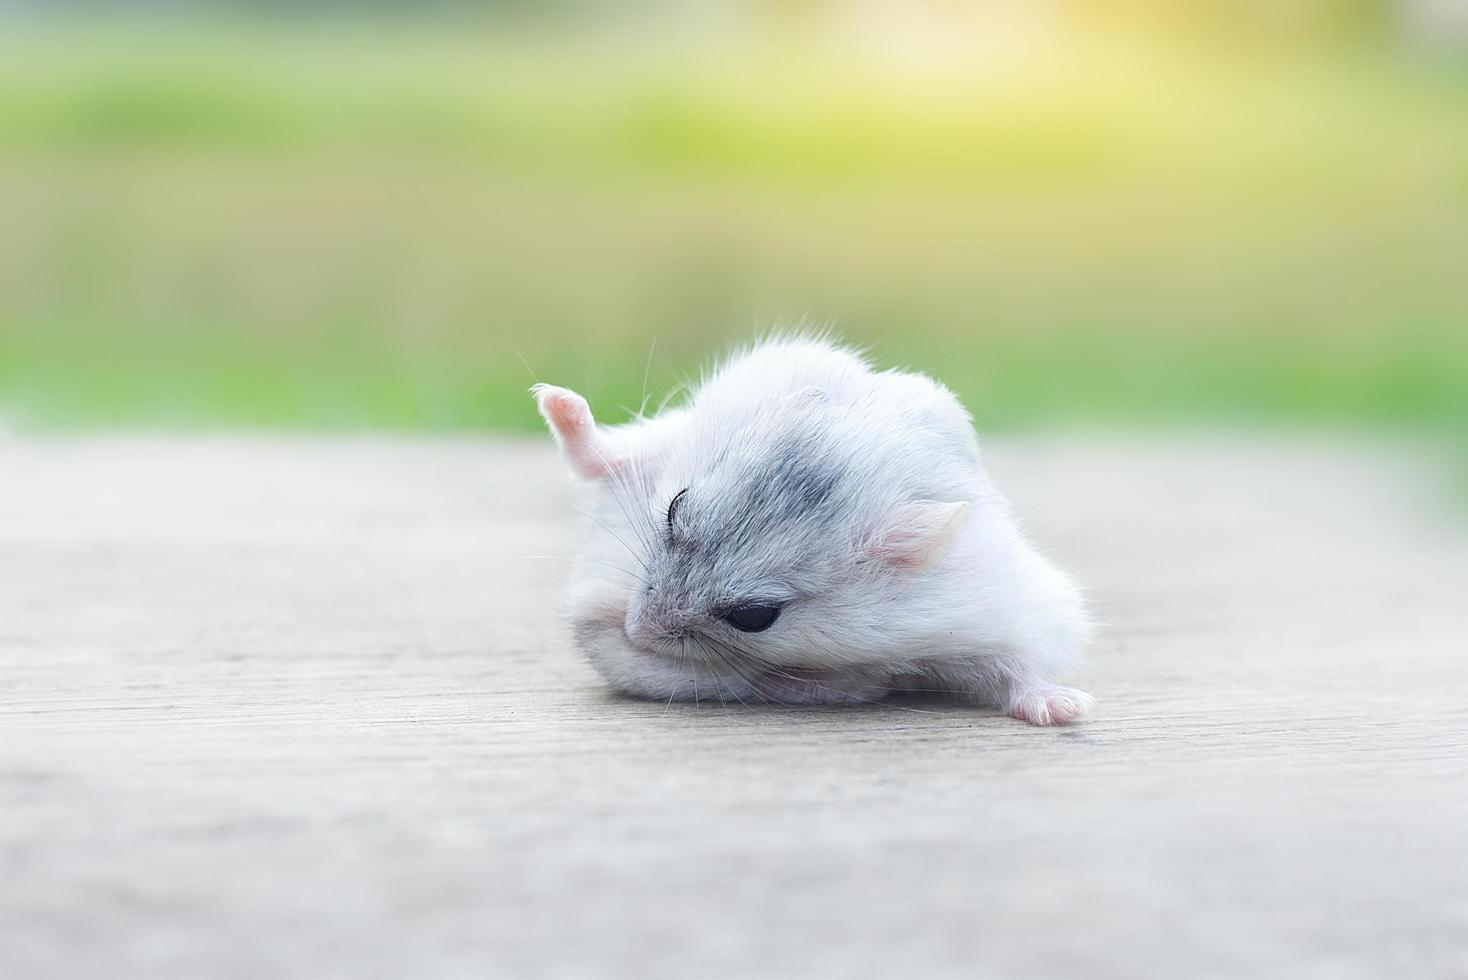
[[639, 626], [637, 631], [649, 628]]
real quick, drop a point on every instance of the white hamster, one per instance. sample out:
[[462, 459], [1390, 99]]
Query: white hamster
[[808, 530]]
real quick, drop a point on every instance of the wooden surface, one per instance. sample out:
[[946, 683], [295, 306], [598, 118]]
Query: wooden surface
[[306, 709]]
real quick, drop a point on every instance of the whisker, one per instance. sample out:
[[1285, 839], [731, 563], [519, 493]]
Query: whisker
[[617, 537]]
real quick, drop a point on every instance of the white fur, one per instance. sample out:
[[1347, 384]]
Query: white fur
[[909, 574]]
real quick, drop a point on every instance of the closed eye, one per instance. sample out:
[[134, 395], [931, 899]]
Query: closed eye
[[752, 617], [673, 508]]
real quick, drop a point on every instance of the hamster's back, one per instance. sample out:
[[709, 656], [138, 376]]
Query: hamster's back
[[873, 407], [754, 379]]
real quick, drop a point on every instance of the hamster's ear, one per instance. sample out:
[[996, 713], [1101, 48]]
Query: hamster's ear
[[915, 536], [582, 446]]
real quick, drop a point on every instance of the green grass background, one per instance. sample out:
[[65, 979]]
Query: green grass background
[[332, 230]]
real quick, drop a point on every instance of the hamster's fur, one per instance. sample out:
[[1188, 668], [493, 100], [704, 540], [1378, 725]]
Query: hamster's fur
[[808, 530]]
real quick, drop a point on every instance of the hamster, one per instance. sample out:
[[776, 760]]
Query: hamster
[[808, 530]]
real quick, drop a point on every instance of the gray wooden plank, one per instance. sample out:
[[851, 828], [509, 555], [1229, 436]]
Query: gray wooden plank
[[305, 708]]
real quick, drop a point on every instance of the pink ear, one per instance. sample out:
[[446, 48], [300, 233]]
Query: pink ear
[[570, 420], [917, 535]]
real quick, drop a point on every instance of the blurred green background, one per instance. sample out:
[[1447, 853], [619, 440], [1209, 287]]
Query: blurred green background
[[329, 216]]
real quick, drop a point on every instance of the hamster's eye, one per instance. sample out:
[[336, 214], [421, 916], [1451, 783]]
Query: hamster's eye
[[752, 618], [673, 507]]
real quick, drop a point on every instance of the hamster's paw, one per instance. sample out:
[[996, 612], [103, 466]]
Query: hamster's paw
[[1049, 704]]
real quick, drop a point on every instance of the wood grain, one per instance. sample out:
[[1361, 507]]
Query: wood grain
[[306, 709]]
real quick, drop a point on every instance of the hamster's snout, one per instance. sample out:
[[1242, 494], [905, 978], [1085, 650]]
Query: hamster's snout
[[637, 630], [651, 624]]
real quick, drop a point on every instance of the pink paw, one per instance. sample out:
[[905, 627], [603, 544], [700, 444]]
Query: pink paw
[[1049, 704]]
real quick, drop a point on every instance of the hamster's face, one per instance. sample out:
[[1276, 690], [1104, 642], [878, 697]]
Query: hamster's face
[[731, 575], [771, 546]]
